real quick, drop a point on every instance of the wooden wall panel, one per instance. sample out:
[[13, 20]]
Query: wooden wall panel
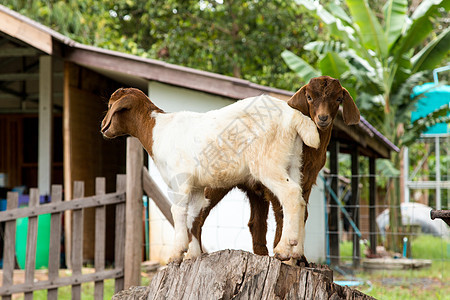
[[86, 154]]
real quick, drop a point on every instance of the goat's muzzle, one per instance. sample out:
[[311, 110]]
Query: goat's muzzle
[[323, 123], [104, 130]]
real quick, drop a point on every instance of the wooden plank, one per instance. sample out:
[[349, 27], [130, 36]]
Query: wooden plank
[[30, 261], [363, 137], [55, 242], [372, 207], [18, 52], [153, 191], [19, 76], [119, 251], [9, 246], [45, 124], [333, 222], [133, 214], [47, 208], [60, 281], [25, 32], [355, 202], [77, 241], [100, 233]]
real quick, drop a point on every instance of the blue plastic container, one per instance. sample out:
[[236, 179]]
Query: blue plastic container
[[434, 97], [2, 204]]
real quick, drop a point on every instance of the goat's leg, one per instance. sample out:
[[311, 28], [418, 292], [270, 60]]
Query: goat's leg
[[278, 213], [198, 204], [214, 196], [295, 174], [289, 194], [179, 210], [259, 210]]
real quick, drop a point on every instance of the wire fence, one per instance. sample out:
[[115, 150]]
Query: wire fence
[[226, 228]]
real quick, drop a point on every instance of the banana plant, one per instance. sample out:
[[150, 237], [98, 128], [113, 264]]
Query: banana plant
[[380, 61], [375, 57]]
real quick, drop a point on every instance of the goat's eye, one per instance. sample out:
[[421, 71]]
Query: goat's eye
[[308, 97], [339, 99]]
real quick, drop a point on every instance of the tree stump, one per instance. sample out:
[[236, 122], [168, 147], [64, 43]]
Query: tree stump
[[235, 274]]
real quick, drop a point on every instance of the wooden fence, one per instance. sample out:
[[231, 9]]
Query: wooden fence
[[128, 232], [56, 208]]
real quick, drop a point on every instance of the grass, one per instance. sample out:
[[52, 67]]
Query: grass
[[432, 283], [87, 290], [429, 283]]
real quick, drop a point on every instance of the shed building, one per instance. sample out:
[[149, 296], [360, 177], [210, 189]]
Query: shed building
[[53, 94]]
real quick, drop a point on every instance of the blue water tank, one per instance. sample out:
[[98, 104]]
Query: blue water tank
[[433, 97]]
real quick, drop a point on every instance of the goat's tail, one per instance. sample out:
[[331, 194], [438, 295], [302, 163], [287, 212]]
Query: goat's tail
[[307, 130]]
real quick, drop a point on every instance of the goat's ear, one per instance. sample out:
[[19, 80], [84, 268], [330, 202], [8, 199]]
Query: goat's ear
[[121, 104], [351, 112], [299, 102]]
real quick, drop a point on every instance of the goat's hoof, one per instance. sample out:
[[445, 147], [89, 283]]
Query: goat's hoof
[[191, 255], [293, 242], [302, 262], [282, 257], [175, 260]]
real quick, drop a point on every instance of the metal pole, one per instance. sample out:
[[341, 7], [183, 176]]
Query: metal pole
[[438, 173], [406, 173]]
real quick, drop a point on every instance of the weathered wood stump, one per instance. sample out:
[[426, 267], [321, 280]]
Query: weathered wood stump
[[233, 274]]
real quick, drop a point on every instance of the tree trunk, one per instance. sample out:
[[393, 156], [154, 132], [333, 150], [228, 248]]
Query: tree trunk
[[233, 274]]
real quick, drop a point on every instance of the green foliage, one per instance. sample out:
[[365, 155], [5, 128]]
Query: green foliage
[[395, 17], [379, 58], [299, 66], [430, 247], [237, 38]]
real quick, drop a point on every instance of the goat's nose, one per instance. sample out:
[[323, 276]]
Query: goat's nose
[[323, 118]]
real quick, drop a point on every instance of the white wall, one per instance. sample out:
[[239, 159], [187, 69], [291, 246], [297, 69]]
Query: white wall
[[226, 226], [171, 99], [315, 248]]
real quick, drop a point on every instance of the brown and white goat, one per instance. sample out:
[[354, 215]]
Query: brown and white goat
[[320, 100], [257, 139]]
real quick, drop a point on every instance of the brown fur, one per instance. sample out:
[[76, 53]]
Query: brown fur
[[120, 103], [320, 100]]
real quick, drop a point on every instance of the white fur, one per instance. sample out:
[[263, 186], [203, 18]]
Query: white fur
[[255, 139]]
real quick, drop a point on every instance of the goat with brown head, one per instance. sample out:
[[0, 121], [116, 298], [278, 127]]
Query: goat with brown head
[[122, 117], [320, 99]]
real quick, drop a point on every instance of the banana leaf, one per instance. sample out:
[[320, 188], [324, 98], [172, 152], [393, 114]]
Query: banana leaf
[[371, 32], [395, 17], [299, 66]]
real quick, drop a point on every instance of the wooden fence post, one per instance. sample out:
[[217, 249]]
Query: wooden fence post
[[133, 215], [30, 262], [100, 234], [55, 241], [119, 252], [9, 247], [77, 239], [333, 217], [356, 206], [372, 207]]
